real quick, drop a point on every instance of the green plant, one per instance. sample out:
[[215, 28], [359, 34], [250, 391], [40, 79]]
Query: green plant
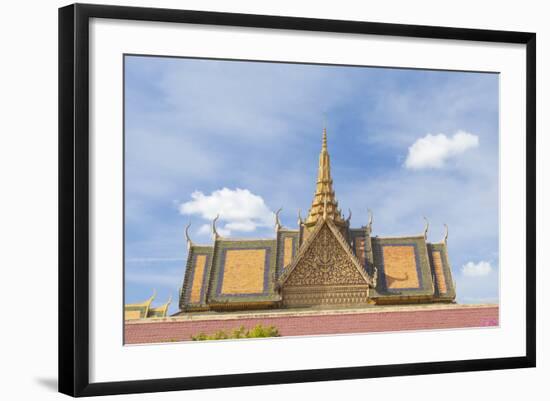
[[199, 337], [258, 331]]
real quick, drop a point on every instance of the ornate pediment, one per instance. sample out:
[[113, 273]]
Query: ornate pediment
[[325, 261]]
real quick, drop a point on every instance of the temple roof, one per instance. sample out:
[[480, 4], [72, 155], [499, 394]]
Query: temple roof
[[142, 310], [237, 273], [444, 284], [324, 201], [160, 311], [404, 268], [144, 304], [343, 243]]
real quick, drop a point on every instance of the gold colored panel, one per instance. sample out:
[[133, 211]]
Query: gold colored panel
[[244, 271], [287, 251], [439, 276], [131, 314], [400, 267], [200, 264]]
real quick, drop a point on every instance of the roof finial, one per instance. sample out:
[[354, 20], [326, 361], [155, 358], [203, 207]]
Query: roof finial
[[446, 234], [426, 227], [214, 231], [277, 221], [188, 239], [324, 147], [300, 221], [324, 193], [369, 226], [349, 216]]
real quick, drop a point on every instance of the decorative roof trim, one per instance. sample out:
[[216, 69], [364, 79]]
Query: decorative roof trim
[[162, 308], [278, 224], [426, 226], [146, 304], [202, 245], [301, 252], [187, 237], [289, 230], [305, 246], [369, 225], [214, 231]]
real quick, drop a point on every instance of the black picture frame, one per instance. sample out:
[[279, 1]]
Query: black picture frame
[[74, 198]]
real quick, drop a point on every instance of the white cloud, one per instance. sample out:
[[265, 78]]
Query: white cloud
[[432, 151], [239, 209], [479, 269], [206, 229]]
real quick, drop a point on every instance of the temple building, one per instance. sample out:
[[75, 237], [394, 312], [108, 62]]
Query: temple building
[[324, 262], [144, 310]]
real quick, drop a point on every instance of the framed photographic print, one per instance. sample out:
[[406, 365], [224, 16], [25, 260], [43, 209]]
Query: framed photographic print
[[278, 199]]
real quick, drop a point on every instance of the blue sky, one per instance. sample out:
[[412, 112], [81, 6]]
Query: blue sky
[[203, 135]]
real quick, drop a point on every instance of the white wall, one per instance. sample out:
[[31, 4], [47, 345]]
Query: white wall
[[28, 217]]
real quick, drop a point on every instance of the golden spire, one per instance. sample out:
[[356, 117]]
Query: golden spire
[[324, 203]]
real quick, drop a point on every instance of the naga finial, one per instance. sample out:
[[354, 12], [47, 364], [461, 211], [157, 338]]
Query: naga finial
[[446, 234], [277, 221], [349, 216], [169, 300], [300, 221], [187, 237], [426, 227], [214, 231], [370, 221]]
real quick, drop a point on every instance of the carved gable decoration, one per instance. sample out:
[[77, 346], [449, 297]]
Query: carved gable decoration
[[325, 262]]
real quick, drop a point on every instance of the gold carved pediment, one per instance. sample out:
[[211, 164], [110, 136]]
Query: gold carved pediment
[[325, 262]]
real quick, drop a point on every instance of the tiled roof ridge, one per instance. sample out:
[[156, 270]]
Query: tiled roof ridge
[[146, 304], [202, 245]]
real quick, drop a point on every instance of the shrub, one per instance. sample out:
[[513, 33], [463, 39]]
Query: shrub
[[260, 331], [200, 337], [257, 332]]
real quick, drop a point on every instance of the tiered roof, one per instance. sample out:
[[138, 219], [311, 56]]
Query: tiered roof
[[144, 310], [249, 273], [324, 201]]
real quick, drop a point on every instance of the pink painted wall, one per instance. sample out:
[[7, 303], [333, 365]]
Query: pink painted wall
[[181, 330]]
